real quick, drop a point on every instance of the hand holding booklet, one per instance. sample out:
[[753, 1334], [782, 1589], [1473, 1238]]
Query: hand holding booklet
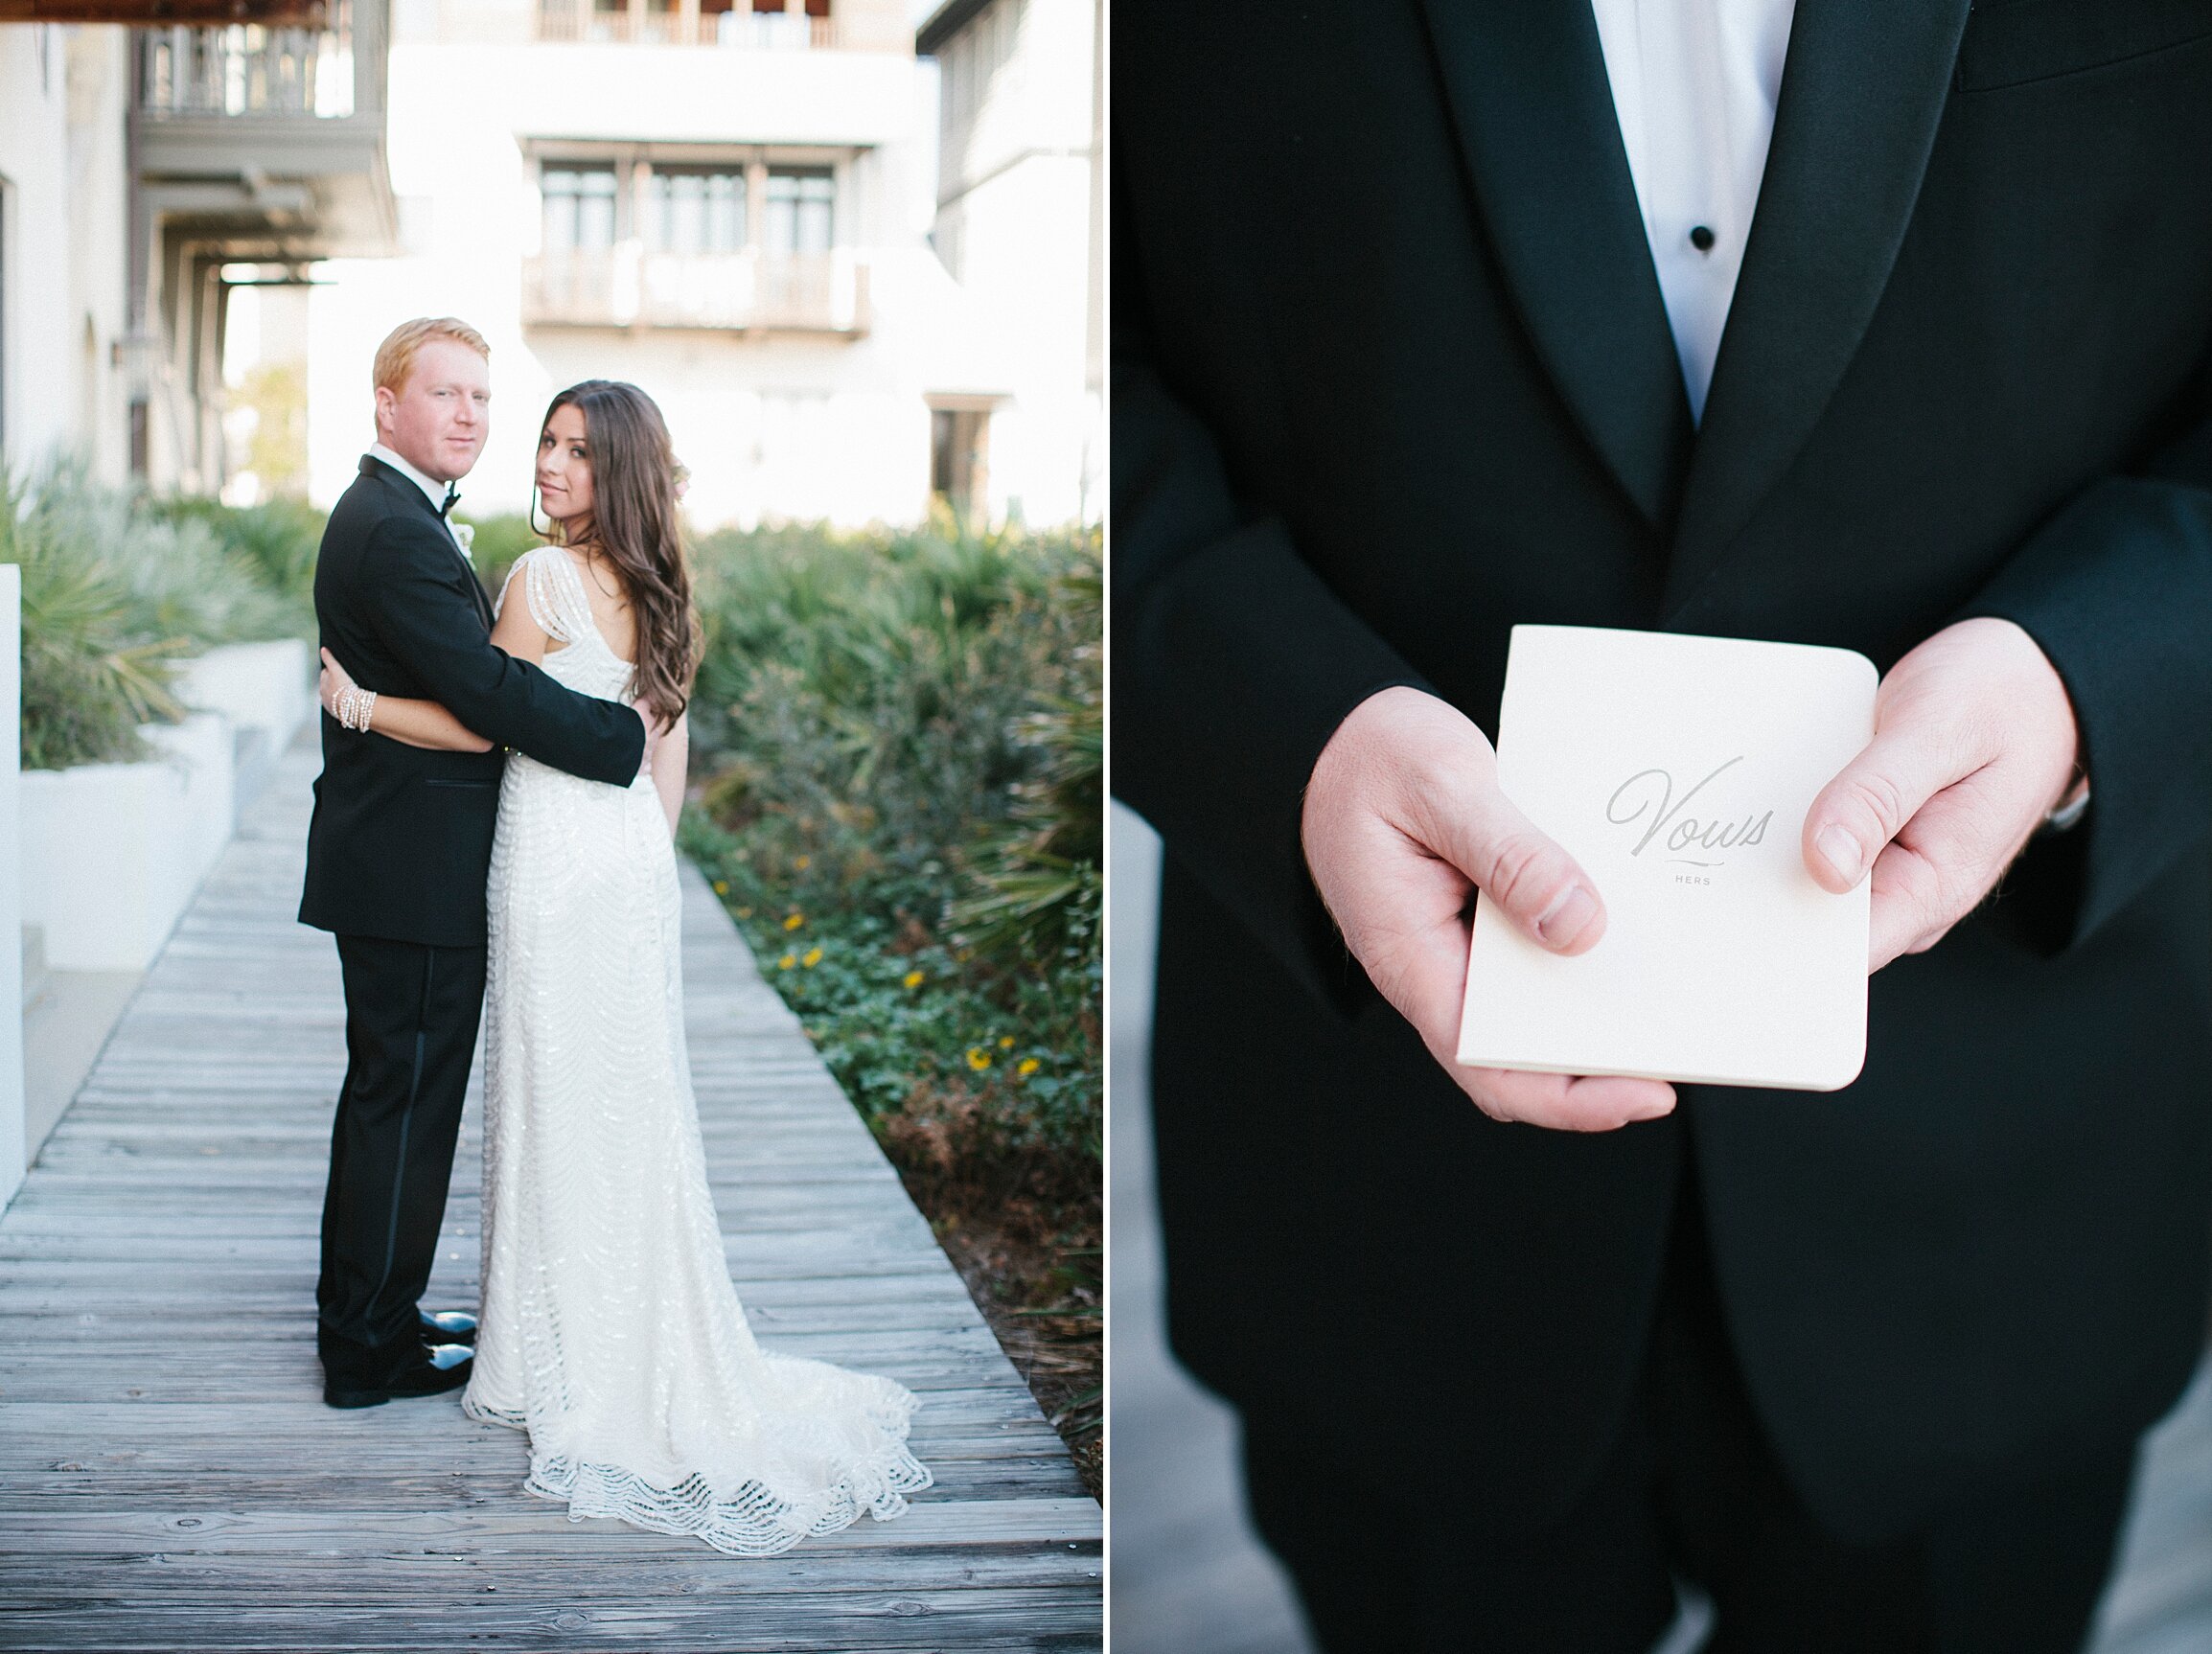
[[1678, 771]]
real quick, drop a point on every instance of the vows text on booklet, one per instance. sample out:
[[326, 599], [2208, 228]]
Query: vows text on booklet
[[1677, 772]]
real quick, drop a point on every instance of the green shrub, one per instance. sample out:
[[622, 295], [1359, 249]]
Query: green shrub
[[116, 590], [277, 541], [899, 737]]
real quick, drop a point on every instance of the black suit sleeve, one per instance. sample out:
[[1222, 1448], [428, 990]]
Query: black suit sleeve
[[2117, 589], [1233, 663], [419, 602]]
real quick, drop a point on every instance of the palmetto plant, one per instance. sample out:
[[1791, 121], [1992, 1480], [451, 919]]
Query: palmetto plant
[[1037, 885], [875, 686], [274, 542], [115, 592], [89, 680]]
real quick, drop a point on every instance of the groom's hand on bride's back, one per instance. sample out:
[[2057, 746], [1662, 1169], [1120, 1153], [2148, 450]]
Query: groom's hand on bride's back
[[1403, 821]]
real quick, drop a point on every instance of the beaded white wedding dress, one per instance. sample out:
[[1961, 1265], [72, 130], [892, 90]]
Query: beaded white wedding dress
[[610, 1331]]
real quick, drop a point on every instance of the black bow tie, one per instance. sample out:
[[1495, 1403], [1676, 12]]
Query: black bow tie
[[452, 493]]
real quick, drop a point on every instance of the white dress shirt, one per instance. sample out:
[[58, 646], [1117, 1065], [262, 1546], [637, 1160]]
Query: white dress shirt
[[1694, 84], [433, 490]]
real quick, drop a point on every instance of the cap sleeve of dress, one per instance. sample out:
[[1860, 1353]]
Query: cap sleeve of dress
[[551, 589]]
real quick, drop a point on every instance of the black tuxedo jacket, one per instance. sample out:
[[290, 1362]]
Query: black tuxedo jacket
[[400, 841], [1393, 374]]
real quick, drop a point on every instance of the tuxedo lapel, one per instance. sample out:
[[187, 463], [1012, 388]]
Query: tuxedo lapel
[[1526, 83], [1862, 91], [372, 465]]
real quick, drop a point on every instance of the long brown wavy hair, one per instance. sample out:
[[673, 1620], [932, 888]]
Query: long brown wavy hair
[[634, 526]]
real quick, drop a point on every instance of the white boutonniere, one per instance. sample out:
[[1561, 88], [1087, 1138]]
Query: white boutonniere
[[466, 534]]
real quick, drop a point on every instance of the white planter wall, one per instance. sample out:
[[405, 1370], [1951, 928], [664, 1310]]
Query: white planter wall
[[264, 686], [113, 852], [11, 1109]]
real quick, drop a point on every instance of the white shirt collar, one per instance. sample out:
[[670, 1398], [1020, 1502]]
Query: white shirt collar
[[1695, 87], [433, 491]]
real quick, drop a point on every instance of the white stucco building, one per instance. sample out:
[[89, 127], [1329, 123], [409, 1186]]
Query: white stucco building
[[145, 171], [64, 97], [726, 204], [1020, 225]]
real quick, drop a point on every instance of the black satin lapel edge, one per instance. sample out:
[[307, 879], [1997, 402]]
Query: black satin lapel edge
[[1864, 91], [406, 485], [407, 488], [1526, 85]]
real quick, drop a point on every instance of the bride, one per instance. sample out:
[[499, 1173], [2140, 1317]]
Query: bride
[[610, 1331]]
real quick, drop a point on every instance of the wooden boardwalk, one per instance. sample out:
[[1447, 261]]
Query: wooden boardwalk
[[171, 1480]]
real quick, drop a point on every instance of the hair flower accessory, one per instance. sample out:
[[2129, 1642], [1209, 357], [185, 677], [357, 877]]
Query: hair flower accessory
[[680, 474]]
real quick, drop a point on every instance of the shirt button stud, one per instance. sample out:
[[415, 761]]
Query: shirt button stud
[[1701, 238]]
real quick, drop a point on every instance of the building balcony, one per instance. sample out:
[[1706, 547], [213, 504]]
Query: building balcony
[[255, 142], [686, 23], [246, 70], [627, 287], [268, 138]]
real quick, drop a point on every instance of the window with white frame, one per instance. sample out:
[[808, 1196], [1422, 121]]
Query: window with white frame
[[579, 207], [802, 209], [676, 205], [694, 210]]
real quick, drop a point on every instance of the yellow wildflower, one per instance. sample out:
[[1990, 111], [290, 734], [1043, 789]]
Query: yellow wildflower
[[803, 863], [793, 922], [744, 912], [913, 979], [1028, 1067], [722, 887], [979, 1059], [787, 962], [810, 958], [1006, 1042]]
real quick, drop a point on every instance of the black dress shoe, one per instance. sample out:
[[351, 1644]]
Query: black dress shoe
[[448, 1326], [426, 1369]]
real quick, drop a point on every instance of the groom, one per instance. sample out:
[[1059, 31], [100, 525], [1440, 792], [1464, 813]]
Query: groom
[[399, 849], [1885, 324]]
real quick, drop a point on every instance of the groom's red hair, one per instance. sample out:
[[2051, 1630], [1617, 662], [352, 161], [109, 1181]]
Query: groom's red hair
[[396, 356]]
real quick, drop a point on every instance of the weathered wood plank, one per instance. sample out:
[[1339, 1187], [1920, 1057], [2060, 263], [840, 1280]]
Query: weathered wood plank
[[169, 1477]]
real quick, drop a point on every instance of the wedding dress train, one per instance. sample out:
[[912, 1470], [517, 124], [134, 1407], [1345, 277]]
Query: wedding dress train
[[610, 1331]]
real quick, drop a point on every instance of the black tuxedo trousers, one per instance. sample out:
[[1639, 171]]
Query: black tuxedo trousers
[[1392, 375], [412, 1009], [1689, 1489]]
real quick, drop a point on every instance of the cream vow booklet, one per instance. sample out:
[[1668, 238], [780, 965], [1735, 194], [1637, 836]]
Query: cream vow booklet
[[1678, 770]]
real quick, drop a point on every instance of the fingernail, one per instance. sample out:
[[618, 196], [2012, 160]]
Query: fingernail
[[1567, 917], [1841, 852]]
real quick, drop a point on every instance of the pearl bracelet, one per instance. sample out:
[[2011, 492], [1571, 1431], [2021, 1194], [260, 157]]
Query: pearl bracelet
[[356, 708]]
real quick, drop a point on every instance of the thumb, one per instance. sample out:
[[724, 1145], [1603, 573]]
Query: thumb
[[1524, 872], [1871, 799]]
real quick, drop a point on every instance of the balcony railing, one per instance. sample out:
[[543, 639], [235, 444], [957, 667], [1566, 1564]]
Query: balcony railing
[[625, 286], [685, 24], [249, 70]]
